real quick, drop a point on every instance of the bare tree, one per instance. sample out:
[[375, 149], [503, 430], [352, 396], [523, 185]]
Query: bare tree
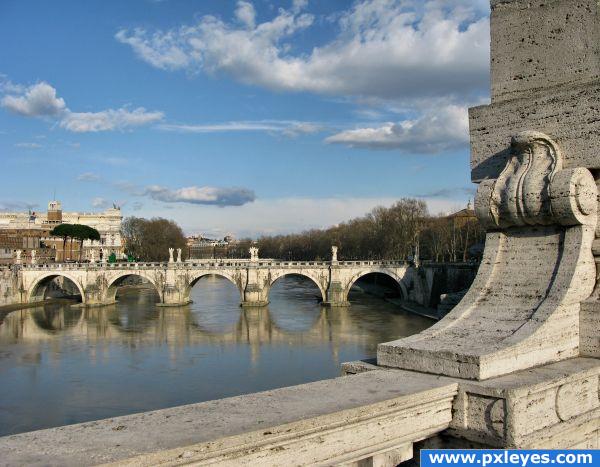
[[150, 239]]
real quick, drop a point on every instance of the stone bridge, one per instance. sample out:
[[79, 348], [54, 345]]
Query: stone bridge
[[98, 282]]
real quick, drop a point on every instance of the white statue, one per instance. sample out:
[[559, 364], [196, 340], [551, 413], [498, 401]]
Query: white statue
[[92, 256], [171, 250], [253, 253], [102, 256], [18, 256], [33, 260], [179, 255], [334, 250]]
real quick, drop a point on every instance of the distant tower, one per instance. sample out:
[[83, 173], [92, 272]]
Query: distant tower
[[55, 212]]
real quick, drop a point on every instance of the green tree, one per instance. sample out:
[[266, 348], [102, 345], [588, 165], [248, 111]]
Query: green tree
[[64, 231], [84, 232]]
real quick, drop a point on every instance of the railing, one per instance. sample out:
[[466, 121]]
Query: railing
[[211, 264]]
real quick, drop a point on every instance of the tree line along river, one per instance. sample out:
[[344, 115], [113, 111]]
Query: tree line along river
[[61, 364]]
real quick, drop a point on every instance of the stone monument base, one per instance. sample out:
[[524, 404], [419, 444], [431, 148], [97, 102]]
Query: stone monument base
[[551, 406]]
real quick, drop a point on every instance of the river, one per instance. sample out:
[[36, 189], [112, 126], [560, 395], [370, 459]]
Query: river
[[60, 364]]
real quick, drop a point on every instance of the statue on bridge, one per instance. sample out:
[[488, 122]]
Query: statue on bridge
[[179, 255], [171, 250], [33, 260], [18, 256], [253, 253], [334, 250]]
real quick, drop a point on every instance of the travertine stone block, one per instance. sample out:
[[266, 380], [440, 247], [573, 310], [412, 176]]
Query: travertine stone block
[[553, 406], [543, 44], [570, 115]]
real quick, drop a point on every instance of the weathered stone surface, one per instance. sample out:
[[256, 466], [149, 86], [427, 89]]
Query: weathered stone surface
[[569, 115], [543, 44], [553, 406], [378, 414]]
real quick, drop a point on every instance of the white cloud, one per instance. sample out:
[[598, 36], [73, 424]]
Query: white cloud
[[245, 14], [384, 48], [288, 128], [202, 195], [439, 130], [302, 128], [88, 177], [8, 87], [100, 203], [28, 145], [137, 205], [106, 120], [16, 206], [39, 100]]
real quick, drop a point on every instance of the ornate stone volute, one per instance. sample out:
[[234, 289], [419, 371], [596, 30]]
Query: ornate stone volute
[[523, 309], [533, 189]]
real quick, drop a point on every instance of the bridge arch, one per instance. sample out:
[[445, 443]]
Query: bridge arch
[[117, 281], [386, 272], [37, 290], [196, 277], [315, 280]]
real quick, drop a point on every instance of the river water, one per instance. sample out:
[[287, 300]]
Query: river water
[[61, 364]]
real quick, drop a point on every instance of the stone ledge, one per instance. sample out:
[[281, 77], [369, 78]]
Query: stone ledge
[[555, 405], [347, 419]]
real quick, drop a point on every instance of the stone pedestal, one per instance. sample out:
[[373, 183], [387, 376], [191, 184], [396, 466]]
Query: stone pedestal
[[256, 292], [336, 295]]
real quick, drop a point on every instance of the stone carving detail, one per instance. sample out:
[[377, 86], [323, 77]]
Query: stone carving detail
[[522, 309], [485, 414], [534, 190], [577, 397]]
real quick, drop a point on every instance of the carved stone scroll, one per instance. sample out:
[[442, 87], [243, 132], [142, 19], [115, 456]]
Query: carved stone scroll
[[534, 190], [523, 307]]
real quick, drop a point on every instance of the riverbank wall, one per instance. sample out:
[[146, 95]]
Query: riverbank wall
[[433, 291], [9, 287]]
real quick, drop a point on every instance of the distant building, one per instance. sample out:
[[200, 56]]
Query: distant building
[[31, 231], [463, 216], [200, 247]]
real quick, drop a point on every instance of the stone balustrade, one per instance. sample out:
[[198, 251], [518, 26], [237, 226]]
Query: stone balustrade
[[98, 282], [366, 419]]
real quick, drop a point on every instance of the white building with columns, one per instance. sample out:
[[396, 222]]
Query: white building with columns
[[107, 222]]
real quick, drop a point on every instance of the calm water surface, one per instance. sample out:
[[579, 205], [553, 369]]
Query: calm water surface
[[60, 364]]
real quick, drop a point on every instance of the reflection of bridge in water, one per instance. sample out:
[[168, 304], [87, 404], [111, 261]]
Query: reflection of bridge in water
[[178, 327]]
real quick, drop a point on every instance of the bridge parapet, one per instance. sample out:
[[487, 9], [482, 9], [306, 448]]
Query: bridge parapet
[[215, 264], [98, 282], [368, 419]]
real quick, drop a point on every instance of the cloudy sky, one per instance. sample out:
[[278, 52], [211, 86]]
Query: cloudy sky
[[242, 117]]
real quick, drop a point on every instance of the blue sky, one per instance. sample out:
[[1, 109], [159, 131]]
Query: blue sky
[[236, 116]]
